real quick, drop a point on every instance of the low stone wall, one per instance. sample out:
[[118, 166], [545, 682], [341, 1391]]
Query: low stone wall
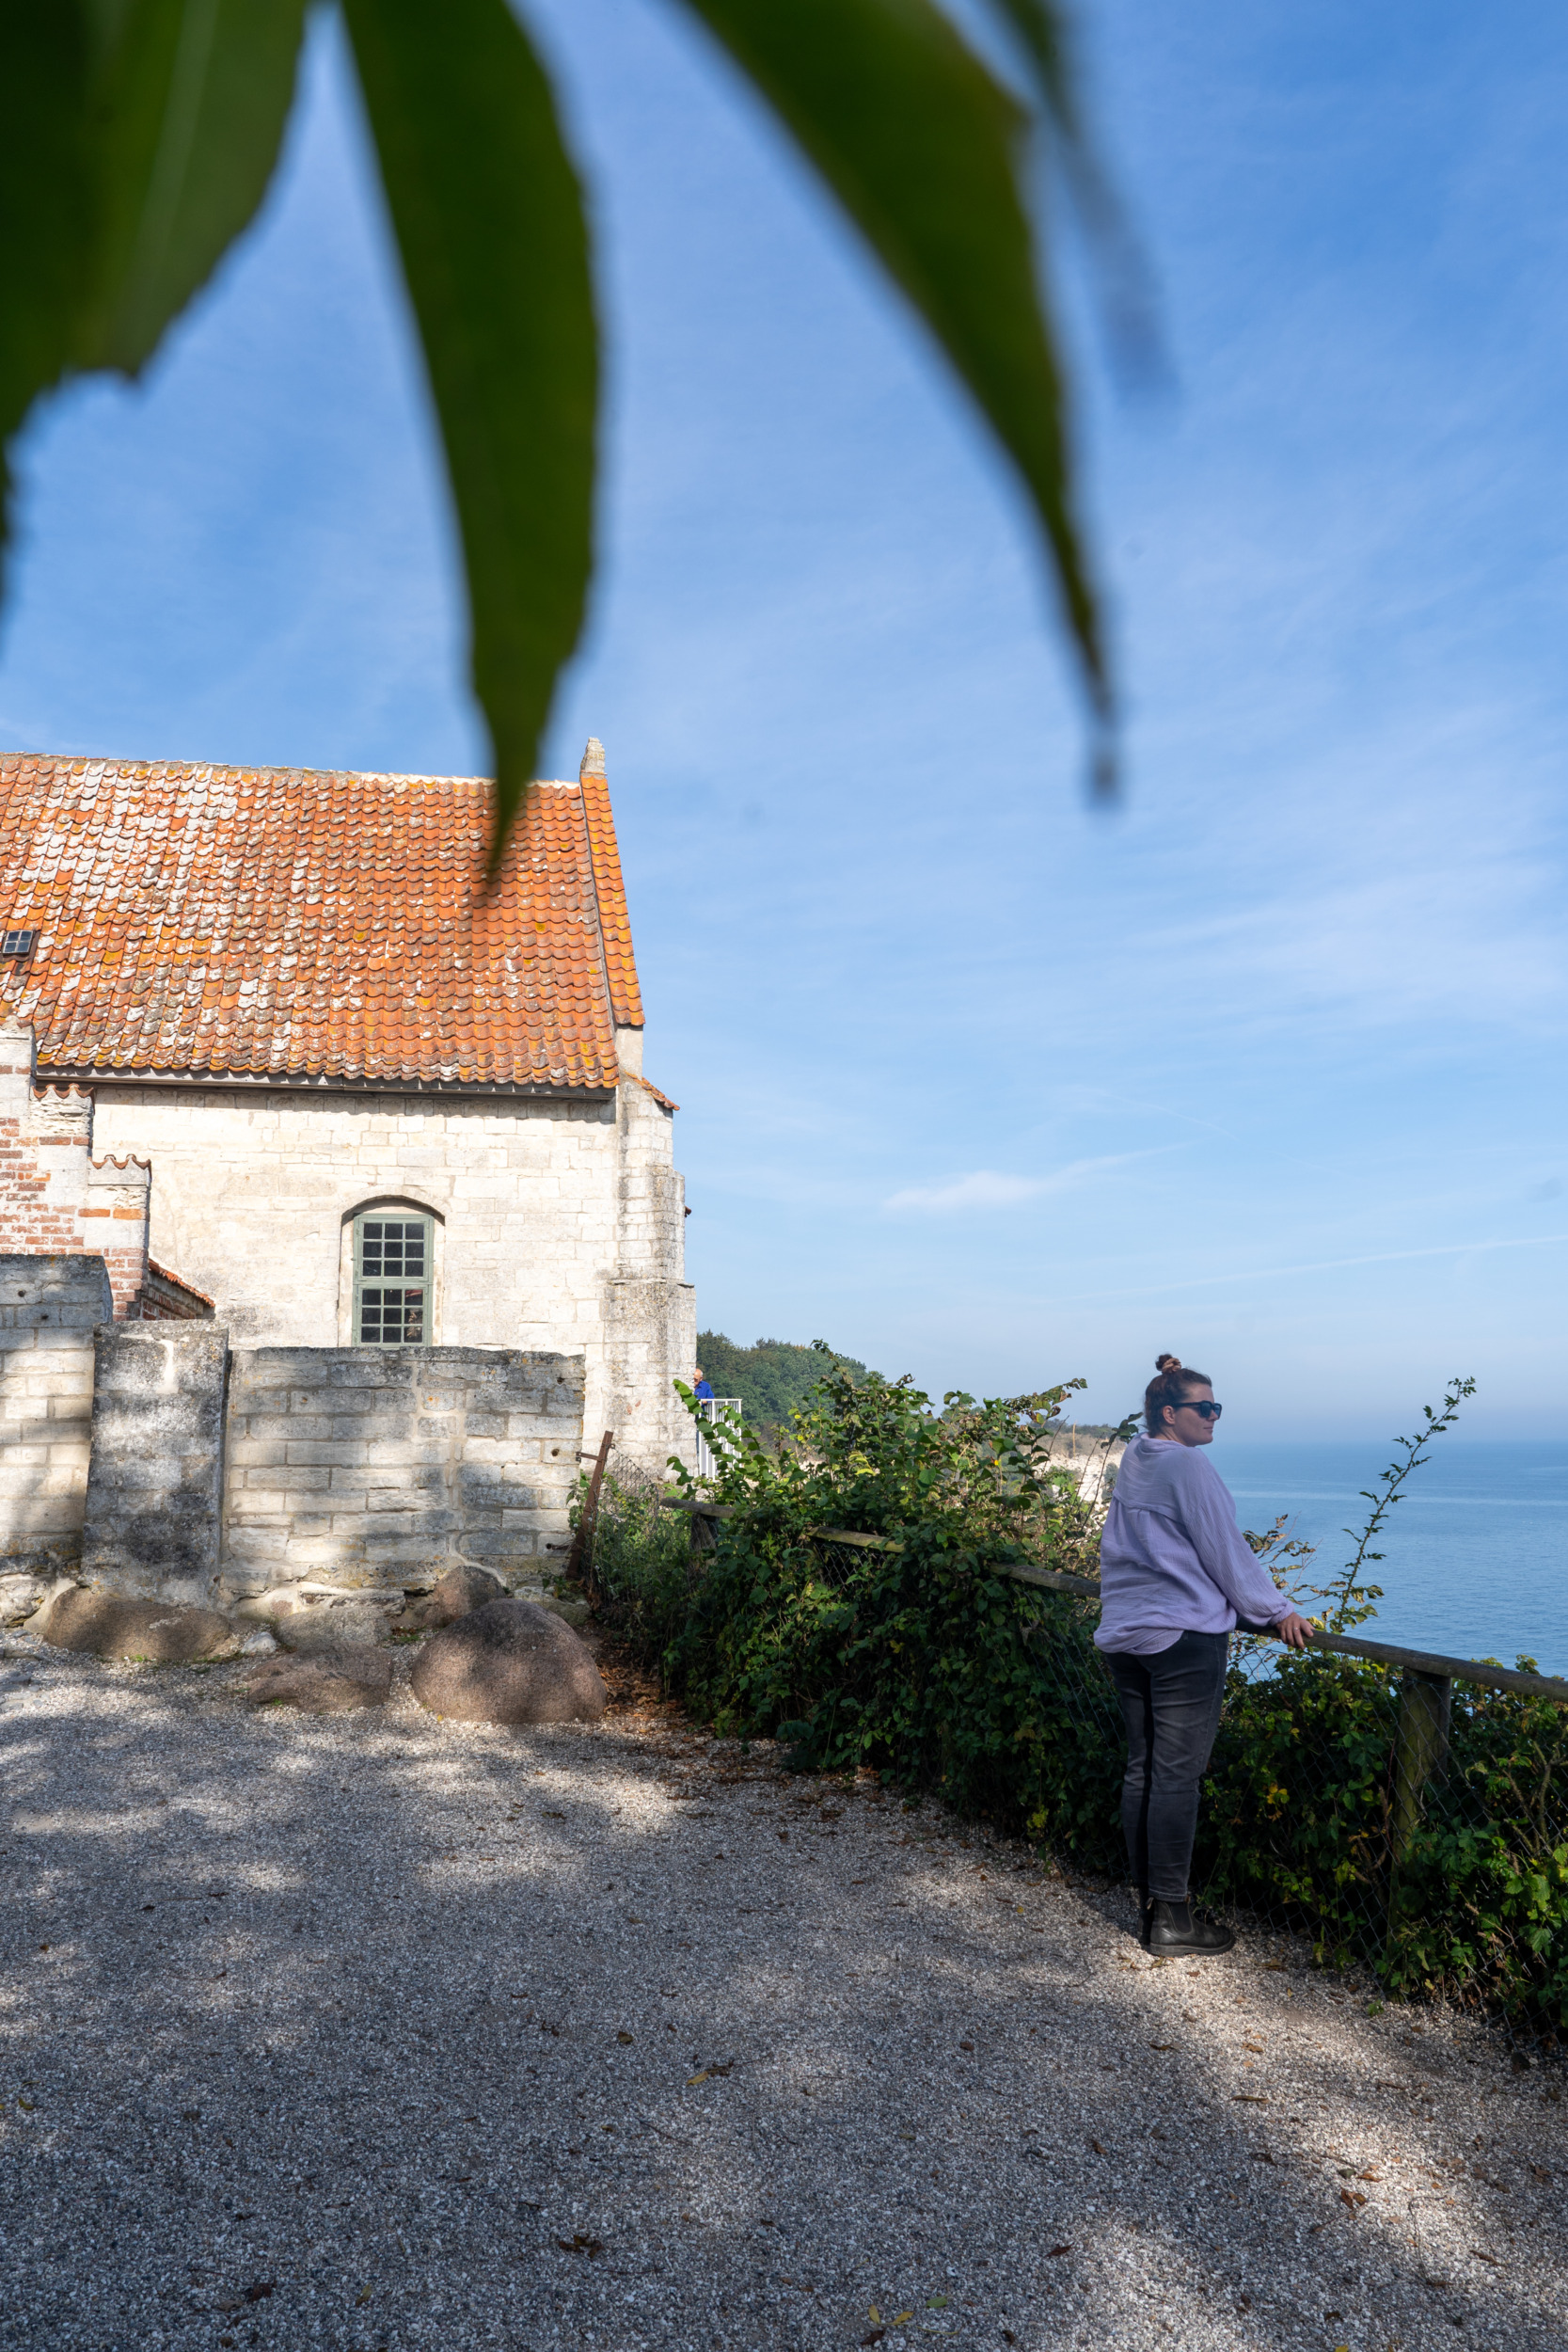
[[357, 1467], [154, 1501], [49, 1307]]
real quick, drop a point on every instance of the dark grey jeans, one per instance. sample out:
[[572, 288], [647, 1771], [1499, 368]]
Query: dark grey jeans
[[1171, 1704]]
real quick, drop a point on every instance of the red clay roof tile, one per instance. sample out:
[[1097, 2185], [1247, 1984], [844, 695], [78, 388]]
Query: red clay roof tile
[[282, 923]]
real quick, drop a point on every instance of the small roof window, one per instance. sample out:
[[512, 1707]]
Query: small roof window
[[16, 943]]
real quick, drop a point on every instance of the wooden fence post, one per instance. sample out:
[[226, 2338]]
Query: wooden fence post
[[1420, 1751], [1420, 1757], [579, 1560]]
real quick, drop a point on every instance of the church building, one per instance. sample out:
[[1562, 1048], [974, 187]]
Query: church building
[[277, 1046]]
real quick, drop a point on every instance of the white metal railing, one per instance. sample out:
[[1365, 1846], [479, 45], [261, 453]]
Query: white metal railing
[[712, 1408]]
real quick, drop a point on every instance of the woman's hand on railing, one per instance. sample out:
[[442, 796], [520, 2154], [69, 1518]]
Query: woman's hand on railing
[[1296, 1630]]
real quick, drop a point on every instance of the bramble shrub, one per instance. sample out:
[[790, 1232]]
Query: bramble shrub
[[918, 1654], [642, 1562]]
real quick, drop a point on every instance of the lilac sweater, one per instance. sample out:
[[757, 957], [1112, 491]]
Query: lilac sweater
[[1172, 1559]]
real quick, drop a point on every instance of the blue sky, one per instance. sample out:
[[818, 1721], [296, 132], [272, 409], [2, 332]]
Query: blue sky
[[979, 1082]]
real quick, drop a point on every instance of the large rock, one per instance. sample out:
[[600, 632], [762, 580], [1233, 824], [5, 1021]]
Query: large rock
[[112, 1624], [509, 1663], [20, 1595], [317, 1626], [456, 1595], [332, 1683]]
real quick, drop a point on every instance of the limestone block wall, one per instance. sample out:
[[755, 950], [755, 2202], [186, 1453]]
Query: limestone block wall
[[547, 1208], [154, 1497], [360, 1467], [49, 1307]]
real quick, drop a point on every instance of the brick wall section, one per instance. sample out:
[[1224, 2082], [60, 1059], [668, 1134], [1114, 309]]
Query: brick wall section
[[356, 1467], [55, 1198], [49, 1307], [154, 1497]]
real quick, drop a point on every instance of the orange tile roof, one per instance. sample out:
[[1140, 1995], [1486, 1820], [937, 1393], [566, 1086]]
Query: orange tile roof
[[287, 924]]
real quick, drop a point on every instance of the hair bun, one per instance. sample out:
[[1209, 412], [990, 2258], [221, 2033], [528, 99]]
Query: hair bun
[[1167, 1363]]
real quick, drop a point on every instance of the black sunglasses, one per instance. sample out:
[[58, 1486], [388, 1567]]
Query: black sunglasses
[[1210, 1410]]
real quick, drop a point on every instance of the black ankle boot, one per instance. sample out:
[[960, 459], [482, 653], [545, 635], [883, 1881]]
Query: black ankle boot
[[1145, 1912], [1172, 1928]]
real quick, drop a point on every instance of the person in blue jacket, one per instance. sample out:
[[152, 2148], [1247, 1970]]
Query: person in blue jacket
[[1176, 1576], [703, 1387]]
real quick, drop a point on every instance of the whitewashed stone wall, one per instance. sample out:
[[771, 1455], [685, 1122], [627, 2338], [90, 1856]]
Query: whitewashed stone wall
[[155, 1499], [49, 1311], [370, 1467], [559, 1223]]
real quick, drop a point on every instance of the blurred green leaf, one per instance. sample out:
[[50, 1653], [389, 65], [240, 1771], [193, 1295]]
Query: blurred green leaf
[[190, 101], [48, 197], [489, 222], [139, 138], [926, 153]]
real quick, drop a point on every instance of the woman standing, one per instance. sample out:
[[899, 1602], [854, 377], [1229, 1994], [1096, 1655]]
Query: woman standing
[[1176, 1575]]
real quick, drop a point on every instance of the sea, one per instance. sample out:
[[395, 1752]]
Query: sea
[[1475, 1555]]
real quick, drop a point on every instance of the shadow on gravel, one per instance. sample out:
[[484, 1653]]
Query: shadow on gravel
[[371, 2032]]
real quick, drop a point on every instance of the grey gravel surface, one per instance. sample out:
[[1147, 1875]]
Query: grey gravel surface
[[373, 2030]]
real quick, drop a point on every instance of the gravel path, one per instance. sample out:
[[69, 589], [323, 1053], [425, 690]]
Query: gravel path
[[379, 2031]]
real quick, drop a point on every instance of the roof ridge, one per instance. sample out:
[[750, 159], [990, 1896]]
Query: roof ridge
[[174, 770]]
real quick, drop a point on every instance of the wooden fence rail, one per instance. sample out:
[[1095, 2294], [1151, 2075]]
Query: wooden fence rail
[[1429, 1663]]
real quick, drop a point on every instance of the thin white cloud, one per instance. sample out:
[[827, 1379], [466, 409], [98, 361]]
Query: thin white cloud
[[1334, 1266], [987, 1189]]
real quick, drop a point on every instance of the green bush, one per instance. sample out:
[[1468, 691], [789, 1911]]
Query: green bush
[[640, 1562], [919, 1655]]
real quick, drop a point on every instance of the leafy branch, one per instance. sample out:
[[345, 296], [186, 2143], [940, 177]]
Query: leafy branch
[[1351, 1601], [141, 136]]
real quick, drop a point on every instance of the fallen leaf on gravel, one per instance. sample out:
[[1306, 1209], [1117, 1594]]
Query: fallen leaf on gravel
[[1369, 2175], [1539, 2172], [899, 2317], [875, 2315], [1275, 1967], [1261, 2156], [872, 2335], [580, 2243], [966, 2045], [259, 2292], [693, 2080], [622, 2037], [939, 2302], [1161, 2045], [1352, 2197], [1054, 2250], [1096, 2146], [1495, 2260], [363, 2296], [1250, 2098]]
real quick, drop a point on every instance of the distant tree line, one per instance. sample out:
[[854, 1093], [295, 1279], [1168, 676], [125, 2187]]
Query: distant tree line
[[772, 1377]]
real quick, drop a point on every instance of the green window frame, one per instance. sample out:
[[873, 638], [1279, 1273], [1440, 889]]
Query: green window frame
[[394, 1265]]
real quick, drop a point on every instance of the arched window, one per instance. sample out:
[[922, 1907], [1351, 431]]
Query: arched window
[[393, 1274]]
